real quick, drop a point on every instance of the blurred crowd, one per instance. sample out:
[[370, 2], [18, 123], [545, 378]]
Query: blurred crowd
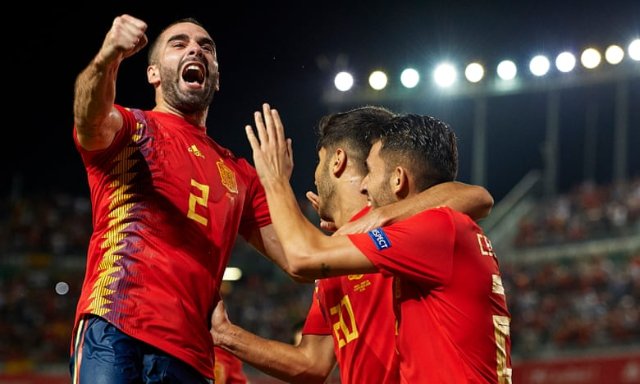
[[574, 304], [564, 304], [589, 211]]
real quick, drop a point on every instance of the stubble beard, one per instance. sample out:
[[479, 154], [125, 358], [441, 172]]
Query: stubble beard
[[326, 193], [186, 102]]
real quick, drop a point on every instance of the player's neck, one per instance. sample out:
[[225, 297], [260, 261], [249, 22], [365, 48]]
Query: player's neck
[[349, 203], [198, 118]]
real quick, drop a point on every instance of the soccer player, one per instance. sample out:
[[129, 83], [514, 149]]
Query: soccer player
[[449, 302], [351, 317], [168, 203]]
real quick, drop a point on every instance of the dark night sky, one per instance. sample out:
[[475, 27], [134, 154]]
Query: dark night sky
[[273, 52]]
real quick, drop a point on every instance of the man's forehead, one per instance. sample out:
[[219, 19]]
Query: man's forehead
[[185, 28]]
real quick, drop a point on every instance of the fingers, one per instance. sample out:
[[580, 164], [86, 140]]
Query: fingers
[[267, 113], [253, 140], [328, 225], [262, 132], [270, 134], [127, 34], [270, 128], [142, 42], [135, 27], [313, 199], [290, 150], [278, 127]]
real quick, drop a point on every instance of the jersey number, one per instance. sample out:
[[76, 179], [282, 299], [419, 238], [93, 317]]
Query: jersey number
[[345, 328], [501, 332], [199, 199], [501, 327]]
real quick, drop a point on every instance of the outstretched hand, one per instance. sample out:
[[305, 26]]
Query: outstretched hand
[[125, 38], [272, 153]]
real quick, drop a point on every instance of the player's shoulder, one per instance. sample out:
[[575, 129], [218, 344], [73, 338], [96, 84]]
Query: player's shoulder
[[441, 215], [459, 219], [441, 211], [226, 153]]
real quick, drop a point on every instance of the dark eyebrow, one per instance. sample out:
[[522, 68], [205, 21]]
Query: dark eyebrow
[[207, 40], [185, 37], [180, 36]]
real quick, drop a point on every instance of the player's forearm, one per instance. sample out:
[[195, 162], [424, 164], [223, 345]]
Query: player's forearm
[[473, 200], [95, 91], [300, 239], [283, 361]]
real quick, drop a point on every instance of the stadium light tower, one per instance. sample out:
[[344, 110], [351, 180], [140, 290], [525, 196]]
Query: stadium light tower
[[623, 68]]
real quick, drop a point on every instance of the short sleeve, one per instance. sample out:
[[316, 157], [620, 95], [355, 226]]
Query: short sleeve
[[419, 248], [255, 213], [315, 323]]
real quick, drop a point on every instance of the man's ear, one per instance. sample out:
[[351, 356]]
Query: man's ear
[[338, 162], [399, 182], [153, 74]]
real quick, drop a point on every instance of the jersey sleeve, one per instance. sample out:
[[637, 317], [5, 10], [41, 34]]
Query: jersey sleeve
[[315, 323], [121, 139], [419, 248], [255, 213]]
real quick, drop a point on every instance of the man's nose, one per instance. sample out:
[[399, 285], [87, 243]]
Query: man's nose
[[195, 49]]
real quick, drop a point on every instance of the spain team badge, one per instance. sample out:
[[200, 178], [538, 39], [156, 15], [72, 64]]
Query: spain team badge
[[227, 177]]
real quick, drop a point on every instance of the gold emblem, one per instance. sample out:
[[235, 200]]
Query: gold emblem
[[227, 177], [196, 152]]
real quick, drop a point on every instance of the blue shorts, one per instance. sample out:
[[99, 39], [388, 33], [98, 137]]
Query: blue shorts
[[104, 355]]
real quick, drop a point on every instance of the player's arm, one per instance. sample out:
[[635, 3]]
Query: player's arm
[[306, 253], [265, 241], [311, 361], [309, 252], [473, 200], [95, 117]]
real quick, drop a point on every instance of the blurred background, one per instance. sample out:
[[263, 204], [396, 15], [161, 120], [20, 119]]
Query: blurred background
[[544, 97]]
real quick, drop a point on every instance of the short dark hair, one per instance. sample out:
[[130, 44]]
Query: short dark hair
[[424, 145], [151, 55], [354, 129]]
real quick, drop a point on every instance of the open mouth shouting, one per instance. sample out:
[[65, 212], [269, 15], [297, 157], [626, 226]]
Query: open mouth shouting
[[194, 74]]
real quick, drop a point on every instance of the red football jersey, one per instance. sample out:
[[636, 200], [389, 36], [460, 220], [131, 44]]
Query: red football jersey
[[315, 323], [358, 311], [453, 322], [168, 203]]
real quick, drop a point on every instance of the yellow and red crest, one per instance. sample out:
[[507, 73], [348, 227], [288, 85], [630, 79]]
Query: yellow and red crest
[[227, 177]]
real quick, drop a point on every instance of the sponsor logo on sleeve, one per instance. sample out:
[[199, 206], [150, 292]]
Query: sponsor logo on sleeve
[[380, 239]]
